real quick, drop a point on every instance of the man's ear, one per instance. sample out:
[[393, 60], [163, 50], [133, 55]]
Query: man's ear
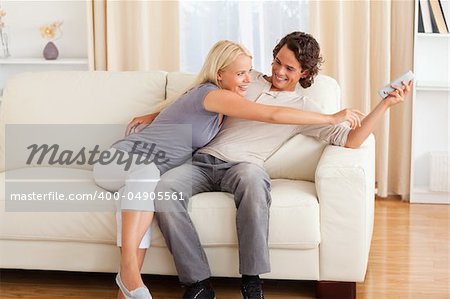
[[304, 74]]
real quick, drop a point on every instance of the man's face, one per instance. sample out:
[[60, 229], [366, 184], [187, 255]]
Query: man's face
[[286, 70]]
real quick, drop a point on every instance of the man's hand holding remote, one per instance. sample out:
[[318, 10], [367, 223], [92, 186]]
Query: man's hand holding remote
[[398, 94]]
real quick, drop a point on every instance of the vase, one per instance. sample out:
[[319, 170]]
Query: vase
[[4, 53], [50, 51]]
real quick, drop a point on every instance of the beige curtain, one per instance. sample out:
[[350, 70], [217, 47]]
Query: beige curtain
[[133, 35], [366, 44]]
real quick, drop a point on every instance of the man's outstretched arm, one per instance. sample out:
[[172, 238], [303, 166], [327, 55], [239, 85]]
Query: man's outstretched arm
[[357, 136]]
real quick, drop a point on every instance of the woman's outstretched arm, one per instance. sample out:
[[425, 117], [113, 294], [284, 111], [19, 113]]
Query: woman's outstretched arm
[[231, 104]]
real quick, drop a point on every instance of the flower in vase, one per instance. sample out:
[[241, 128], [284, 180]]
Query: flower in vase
[[51, 32]]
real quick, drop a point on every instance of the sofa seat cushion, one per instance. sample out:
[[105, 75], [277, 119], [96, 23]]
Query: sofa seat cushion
[[49, 225], [294, 216], [294, 219]]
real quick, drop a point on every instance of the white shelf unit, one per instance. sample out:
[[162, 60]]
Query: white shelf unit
[[433, 85], [430, 115], [11, 66], [33, 61]]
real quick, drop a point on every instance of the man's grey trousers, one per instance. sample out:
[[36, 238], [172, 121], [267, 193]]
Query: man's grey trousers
[[250, 185]]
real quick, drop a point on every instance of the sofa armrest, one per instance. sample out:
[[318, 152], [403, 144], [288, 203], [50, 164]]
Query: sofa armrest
[[345, 182]]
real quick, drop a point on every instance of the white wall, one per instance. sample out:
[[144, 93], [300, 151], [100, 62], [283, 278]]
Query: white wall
[[24, 18]]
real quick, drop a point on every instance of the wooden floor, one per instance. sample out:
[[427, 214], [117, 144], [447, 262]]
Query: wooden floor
[[409, 259]]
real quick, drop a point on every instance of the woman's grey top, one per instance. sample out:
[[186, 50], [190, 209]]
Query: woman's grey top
[[176, 132]]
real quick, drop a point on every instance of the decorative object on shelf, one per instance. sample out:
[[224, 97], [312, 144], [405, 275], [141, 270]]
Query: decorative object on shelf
[[4, 53], [51, 32]]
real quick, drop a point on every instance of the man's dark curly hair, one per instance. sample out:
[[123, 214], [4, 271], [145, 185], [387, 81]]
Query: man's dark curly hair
[[307, 52]]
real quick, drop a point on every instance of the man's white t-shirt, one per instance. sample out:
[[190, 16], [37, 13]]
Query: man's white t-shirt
[[241, 140]]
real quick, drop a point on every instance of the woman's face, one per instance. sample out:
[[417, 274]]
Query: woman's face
[[236, 76]]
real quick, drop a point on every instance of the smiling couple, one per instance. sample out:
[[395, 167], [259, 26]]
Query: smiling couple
[[234, 113]]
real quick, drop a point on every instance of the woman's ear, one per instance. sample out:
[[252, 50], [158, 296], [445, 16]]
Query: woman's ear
[[219, 76]]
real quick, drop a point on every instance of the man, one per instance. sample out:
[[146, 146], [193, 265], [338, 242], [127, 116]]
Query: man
[[233, 161]]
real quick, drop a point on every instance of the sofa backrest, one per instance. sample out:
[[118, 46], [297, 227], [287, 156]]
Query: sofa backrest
[[77, 97], [80, 97]]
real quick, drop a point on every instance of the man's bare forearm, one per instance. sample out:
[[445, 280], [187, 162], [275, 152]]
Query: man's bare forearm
[[357, 136]]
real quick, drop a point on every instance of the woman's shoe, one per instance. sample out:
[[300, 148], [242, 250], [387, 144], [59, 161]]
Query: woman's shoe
[[139, 293]]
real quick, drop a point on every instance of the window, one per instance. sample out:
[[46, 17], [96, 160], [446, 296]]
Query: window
[[258, 25]]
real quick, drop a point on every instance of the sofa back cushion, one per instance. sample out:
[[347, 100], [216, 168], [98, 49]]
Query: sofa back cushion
[[298, 158], [178, 83], [80, 97]]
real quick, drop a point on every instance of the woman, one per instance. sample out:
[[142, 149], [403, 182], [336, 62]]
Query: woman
[[217, 91]]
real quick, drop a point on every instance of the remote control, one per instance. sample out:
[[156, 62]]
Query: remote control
[[385, 91]]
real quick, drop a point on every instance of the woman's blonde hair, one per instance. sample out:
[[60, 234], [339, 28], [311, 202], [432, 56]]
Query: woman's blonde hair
[[221, 55]]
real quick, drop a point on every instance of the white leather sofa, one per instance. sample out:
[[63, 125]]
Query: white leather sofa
[[323, 196]]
